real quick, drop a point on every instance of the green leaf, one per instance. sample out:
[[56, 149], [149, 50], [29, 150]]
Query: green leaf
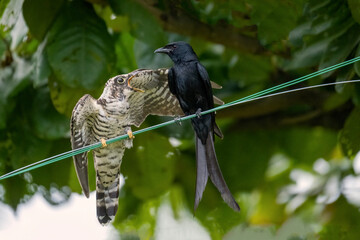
[[357, 64], [3, 49], [56, 174], [305, 145], [250, 232], [309, 55], [80, 52], [144, 26], [322, 24], [117, 24], [251, 69], [343, 219], [344, 73], [340, 48], [220, 219], [3, 5], [141, 223], [18, 32], [13, 79], [11, 13], [42, 68], [296, 36], [335, 100], [40, 14], [350, 135], [268, 210], [5, 106], [243, 173], [296, 228], [15, 190], [329, 18], [356, 95], [177, 200], [149, 166], [128, 207], [47, 122], [146, 58], [354, 6], [269, 14], [125, 53], [64, 98], [27, 148]]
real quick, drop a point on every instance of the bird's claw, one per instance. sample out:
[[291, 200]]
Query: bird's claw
[[103, 142], [134, 88], [198, 113], [130, 134], [178, 120]]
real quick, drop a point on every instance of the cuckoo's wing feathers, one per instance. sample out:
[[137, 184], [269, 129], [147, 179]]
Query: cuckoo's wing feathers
[[157, 98], [80, 126], [218, 101], [214, 85]]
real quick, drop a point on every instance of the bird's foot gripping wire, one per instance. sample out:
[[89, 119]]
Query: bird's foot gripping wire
[[134, 88], [130, 134], [198, 113], [103, 142], [178, 120]]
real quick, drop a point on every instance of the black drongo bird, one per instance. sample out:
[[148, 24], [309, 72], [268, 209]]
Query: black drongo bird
[[190, 83]]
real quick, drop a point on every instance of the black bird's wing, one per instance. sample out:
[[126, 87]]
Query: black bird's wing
[[172, 86], [80, 126], [208, 88], [171, 81], [206, 81]]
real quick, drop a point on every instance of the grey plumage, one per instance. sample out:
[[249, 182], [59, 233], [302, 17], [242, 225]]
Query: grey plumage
[[119, 107]]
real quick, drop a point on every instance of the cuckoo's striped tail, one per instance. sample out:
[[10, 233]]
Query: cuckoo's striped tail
[[107, 201]]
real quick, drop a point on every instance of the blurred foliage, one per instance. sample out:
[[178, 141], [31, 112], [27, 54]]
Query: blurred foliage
[[290, 161]]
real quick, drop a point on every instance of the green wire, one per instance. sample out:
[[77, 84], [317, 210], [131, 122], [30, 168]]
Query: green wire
[[71, 153], [286, 84]]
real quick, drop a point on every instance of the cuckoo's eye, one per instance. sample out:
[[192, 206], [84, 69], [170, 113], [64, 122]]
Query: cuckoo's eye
[[120, 80]]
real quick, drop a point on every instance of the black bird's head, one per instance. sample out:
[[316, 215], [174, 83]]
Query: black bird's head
[[178, 52]]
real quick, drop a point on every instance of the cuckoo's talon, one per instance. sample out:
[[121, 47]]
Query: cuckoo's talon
[[103, 142], [130, 134], [134, 88]]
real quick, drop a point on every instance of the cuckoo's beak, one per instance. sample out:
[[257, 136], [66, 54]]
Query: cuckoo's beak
[[134, 88]]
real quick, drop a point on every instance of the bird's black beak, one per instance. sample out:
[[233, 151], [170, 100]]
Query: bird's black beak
[[163, 50]]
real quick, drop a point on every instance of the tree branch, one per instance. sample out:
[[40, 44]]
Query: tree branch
[[267, 106], [176, 19], [276, 112]]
